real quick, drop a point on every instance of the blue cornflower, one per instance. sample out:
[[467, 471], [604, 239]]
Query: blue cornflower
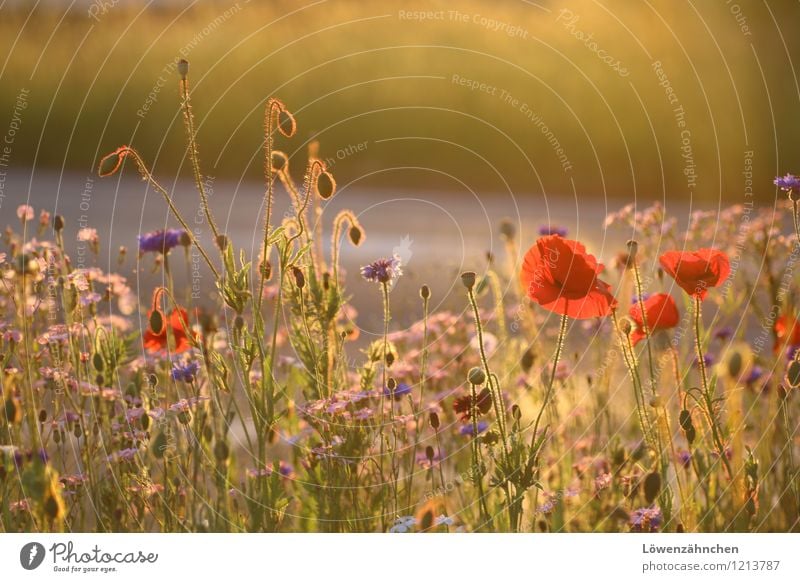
[[549, 229], [708, 360], [162, 241], [788, 183], [383, 270], [756, 372], [468, 428], [186, 372], [724, 333], [399, 391]]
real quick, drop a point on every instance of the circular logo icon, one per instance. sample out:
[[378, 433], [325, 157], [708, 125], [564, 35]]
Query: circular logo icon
[[31, 555]]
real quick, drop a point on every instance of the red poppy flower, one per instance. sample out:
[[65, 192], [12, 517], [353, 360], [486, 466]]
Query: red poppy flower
[[463, 405], [661, 312], [561, 276], [786, 332], [178, 322], [696, 271]]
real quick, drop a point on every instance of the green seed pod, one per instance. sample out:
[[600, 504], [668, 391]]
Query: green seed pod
[[425, 292], [476, 376], [468, 279]]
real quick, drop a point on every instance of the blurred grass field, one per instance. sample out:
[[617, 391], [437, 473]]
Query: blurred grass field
[[392, 99]]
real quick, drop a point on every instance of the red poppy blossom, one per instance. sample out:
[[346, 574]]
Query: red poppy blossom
[[696, 271], [561, 276], [786, 332], [661, 313], [463, 405], [178, 322]]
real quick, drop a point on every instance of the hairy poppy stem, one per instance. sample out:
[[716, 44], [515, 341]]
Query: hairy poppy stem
[[708, 399], [562, 334]]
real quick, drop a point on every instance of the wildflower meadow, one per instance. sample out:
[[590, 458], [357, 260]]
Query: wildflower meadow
[[657, 393]]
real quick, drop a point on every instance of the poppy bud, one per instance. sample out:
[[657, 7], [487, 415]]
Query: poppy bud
[[58, 223], [391, 384], [516, 413], [633, 248], [286, 123], [468, 279], [429, 454], [527, 360], [183, 68], [507, 229], [434, 419], [425, 292], [356, 235], [299, 277], [185, 240], [221, 451], [222, 242], [156, 321], [389, 359], [266, 270], [625, 326], [793, 374], [476, 376], [159, 445], [652, 486], [326, 185], [280, 161], [42, 415], [13, 410], [97, 362]]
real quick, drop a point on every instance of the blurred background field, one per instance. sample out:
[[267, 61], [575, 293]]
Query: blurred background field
[[388, 90]]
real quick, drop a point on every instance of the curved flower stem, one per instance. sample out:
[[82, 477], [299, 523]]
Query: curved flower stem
[[645, 327], [494, 388], [708, 399]]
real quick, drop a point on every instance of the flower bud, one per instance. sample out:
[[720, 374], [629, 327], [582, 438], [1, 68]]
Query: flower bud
[[299, 277], [156, 321], [326, 185], [429, 454], [58, 223], [633, 248], [793, 374], [625, 326], [183, 68], [507, 229], [434, 420], [356, 235], [222, 242], [425, 292]]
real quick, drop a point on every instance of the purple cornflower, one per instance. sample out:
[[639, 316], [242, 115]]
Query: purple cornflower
[[162, 241], [788, 183], [646, 519], [708, 360], [723, 334], [685, 458], [186, 372], [383, 270], [549, 229], [399, 391], [468, 428], [756, 372]]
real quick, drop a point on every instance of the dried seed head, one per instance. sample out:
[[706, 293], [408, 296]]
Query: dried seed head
[[425, 292], [476, 376], [183, 68], [468, 279]]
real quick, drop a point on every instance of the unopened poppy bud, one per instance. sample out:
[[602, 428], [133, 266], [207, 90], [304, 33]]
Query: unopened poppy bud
[[266, 270], [793, 374], [58, 223], [222, 242], [326, 185], [286, 123], [280, 161], [516, 413], [468, 279], [528, 359], [507, 229], [156, 321], [183, 68], [425, 292], [42, 415], [299, 277], [97, 362], [476, 376], [434, 419], [633, 248], [185, 240], [429, 454], [356, 235], [389, 359], [652, 486], [625, 326]]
